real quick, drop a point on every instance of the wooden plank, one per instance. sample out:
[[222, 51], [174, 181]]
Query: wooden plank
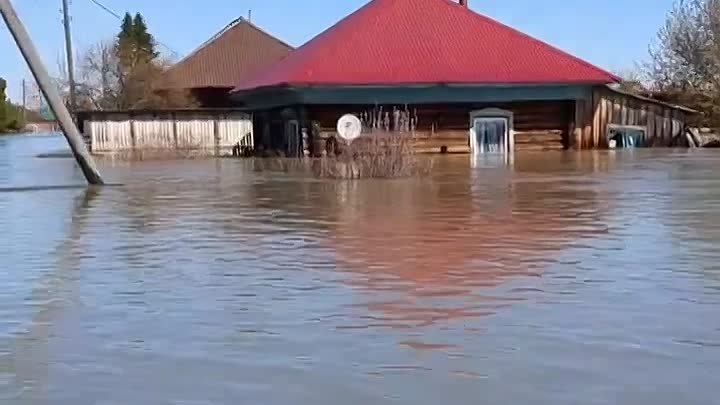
[[588, 122], [451, 149], [660, 127], [636, 127], [675, 128], [449, 135], [608, 114], [578, 119], [651, 128], [531, 132], [434, 143], [539, 138], [133, 135], [174, 130], [667, 127], [605, 109], [604, 119], [597, 98], [539, 147], [624, 112], [642, 116], [569, 136], [617, 112], [635, 114]]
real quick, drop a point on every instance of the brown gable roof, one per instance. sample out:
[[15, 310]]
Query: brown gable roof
[[227, 58]]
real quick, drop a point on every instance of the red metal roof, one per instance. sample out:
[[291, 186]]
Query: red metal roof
[[413, 42]]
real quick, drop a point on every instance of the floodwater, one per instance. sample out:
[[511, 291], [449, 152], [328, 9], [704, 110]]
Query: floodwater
[[587, 278]]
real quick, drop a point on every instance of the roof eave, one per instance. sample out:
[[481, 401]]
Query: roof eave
[[300, 85], [654, 101]]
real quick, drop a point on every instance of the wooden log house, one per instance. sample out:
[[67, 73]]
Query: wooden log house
[[453, 80]]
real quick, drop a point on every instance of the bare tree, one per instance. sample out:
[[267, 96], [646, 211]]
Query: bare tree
[[99, 80], [140, 88], [685, 60], [104, 83], [633, 81]]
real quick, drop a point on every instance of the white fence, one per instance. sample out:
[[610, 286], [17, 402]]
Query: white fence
[[118, 131]]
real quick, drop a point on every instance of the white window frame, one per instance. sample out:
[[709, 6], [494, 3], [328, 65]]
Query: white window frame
[[490, 113], [610, 127]]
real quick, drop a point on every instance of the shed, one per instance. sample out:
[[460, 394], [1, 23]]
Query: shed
[[616, 114]]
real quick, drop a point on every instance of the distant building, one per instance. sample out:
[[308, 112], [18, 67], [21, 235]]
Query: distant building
[[42, 127], [456, 80], [229, 57]]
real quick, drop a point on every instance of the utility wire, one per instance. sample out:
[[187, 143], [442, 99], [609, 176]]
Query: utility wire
[[107, 9], [115, 14]]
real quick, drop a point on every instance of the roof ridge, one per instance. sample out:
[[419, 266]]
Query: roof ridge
[[331, 56], [539, 41], [337, 24], [233, 24], [212, 39], [263, 31]]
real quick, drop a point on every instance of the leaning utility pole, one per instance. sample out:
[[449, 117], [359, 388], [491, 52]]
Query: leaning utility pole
[[27, 48], [69, 55]]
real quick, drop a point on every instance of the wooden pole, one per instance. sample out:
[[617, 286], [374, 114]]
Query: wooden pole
[[69, 55], [71, 132]]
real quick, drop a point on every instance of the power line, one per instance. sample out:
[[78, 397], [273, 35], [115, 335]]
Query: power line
[[119, 17], [107, 9]]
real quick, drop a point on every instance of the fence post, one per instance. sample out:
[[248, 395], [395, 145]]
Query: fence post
[[216, 133], [173, 117], [133, 133]]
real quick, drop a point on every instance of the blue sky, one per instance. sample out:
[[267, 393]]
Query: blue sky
[[613, 34]]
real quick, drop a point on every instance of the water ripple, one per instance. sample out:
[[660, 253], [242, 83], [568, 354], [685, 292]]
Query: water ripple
[[208, 282]]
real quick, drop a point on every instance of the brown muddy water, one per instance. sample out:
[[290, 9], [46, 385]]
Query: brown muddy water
[[587, 278]]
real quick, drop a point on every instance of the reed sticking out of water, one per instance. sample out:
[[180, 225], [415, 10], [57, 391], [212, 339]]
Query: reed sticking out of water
[[380, 154]]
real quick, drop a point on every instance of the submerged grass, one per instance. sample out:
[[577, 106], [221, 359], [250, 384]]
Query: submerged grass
[[377, 155]]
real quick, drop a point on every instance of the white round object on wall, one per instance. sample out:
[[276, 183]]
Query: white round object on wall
[[349, 127]]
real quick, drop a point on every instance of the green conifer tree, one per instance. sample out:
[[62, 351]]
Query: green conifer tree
[[144, 41]]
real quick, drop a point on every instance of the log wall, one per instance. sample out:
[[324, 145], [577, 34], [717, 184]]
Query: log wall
[[537, 125], [664, 125]]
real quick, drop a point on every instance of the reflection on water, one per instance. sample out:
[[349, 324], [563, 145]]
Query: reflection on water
[[558, 279]]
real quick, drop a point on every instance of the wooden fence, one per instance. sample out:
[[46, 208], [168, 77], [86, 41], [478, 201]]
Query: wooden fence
[[206, 131]]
